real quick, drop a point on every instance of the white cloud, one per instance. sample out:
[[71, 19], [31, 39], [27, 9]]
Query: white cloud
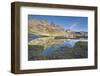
[[73, 26]]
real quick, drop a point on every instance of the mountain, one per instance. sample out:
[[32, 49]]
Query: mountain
[[45, 28]]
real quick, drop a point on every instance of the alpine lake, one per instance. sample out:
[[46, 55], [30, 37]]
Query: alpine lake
[[50, 48]]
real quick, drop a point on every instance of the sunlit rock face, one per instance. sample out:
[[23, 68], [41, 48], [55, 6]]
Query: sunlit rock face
[[43, 27]]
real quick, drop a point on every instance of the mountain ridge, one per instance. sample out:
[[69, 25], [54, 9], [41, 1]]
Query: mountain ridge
[[43, 27]]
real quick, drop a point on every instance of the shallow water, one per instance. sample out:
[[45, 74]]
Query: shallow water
[[50, 48]]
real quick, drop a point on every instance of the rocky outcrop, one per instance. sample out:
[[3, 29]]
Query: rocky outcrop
[[43, 27]]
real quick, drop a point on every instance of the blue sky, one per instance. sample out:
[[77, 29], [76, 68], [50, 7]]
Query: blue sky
[[67, 22]]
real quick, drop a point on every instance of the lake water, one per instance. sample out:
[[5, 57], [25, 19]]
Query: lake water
[[49, 48]]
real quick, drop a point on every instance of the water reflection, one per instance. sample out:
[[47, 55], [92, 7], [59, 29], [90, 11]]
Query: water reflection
[[50, 48]]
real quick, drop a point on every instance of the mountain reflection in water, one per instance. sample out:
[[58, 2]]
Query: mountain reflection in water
[[49, 48]]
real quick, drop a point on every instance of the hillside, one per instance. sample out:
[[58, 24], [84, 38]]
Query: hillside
[[45, 28]]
